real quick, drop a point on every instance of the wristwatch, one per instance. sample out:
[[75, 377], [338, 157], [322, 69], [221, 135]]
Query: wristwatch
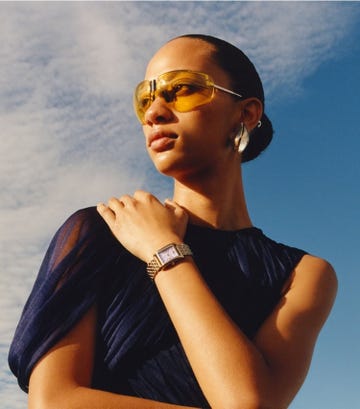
[[167, 256]]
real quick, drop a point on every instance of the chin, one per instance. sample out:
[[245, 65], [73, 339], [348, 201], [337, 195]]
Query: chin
[[178, 166], [164, 162], [165, 169]]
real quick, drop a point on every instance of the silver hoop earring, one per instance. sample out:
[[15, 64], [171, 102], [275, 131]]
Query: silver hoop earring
[[259, 124], [242, 139]]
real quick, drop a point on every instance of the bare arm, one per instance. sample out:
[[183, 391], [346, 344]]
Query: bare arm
[[62, 378], [233, 371]]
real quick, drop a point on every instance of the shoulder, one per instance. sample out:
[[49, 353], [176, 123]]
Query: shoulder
[[313, 287], [83, 230], [86, 217], [81, 223], [317, 271]]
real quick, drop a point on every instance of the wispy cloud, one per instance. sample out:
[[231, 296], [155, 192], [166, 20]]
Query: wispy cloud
[[68, 135]]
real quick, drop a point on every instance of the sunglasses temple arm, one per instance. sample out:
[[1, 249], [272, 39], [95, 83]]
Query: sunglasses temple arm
[[227, 90]]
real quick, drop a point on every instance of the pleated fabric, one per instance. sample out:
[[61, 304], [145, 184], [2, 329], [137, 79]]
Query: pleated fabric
[[137, 349]]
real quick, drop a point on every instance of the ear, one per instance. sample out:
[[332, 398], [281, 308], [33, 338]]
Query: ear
[[252, 111]]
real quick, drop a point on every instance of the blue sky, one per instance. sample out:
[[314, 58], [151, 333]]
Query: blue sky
[[69, 139]]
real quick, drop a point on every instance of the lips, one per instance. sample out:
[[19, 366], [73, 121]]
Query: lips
[[160, 141]]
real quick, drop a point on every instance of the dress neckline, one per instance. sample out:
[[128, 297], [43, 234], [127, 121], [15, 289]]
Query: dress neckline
[[213, 230]]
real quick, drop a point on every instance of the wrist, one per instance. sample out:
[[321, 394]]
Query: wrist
[[166, 257], [156, 245]]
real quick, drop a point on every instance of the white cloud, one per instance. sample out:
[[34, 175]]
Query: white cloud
[[68, 135]]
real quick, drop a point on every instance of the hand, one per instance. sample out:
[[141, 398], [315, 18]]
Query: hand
[[143, 224]]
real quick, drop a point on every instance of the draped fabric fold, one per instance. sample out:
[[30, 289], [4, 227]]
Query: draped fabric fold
[[67, 284], [137, 349]]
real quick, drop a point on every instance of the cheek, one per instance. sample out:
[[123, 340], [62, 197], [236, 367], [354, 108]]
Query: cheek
[[211, 127]]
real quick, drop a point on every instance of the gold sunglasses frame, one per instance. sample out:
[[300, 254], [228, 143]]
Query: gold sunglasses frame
[[208, 83]]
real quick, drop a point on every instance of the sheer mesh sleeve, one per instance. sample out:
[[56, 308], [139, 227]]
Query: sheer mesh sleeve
[[67, 285]]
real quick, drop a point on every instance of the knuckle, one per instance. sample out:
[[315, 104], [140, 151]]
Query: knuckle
[[123, 198], [112, 200], [142, 195], [138, 194]]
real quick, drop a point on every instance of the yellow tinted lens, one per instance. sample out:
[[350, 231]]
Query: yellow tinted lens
[[185, 90], [142, 99]]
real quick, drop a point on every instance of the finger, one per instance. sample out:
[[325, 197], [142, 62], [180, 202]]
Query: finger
[[174, 205], [170, 204], [177, 209], [143, 196], [106, 213], [115, 204], [126, 200]]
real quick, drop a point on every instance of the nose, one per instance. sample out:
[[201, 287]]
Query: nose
[[159, 112]]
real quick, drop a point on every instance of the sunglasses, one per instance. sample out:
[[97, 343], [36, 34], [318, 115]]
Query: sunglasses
[[183, 90]]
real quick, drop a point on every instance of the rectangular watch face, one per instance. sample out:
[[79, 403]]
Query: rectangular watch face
[[167, 254]]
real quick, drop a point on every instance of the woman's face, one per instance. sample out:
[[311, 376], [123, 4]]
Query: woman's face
[[186, 143]]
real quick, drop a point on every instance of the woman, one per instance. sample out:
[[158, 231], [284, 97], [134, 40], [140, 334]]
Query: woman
[[228, 318]]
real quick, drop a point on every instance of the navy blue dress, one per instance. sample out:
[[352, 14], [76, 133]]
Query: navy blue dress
[[137, 349]]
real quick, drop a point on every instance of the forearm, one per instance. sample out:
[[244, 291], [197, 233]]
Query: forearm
[[227, 365], [61, 379]]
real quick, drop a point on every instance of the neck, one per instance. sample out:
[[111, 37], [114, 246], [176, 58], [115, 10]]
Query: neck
[[215, 202]]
